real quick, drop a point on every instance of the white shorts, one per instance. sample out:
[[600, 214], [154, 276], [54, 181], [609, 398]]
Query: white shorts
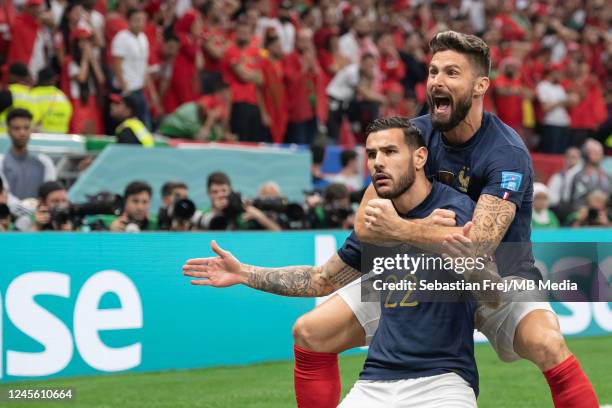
[[445, 390], [498, 325]]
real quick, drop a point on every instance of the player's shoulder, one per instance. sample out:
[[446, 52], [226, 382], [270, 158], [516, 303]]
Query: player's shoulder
[[502, 137], [423, 123]]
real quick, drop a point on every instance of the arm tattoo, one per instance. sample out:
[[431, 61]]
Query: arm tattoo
[[492, 217], [302, 281]]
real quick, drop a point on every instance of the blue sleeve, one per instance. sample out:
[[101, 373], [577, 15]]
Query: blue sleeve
[[509, 174], [350, 252]]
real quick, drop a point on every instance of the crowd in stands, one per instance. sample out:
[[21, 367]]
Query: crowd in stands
[[307, 72], [295, 71]]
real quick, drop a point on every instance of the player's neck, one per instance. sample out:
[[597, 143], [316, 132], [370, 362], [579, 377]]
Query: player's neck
[[468, 127], [414, 196]]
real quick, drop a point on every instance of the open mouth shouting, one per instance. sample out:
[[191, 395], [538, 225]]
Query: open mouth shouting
[[441, 103]]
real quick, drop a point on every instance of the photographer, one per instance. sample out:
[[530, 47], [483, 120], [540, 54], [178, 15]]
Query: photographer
[[177, 210], [52, 210], [5, 213], [594, 213], [333, 210], [228, 211], [135, 216]]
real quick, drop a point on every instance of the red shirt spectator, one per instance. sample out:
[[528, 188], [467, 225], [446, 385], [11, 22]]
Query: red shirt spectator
[[247, 57], [27, 38], [274, 95], [301, 77], [184, 74], [508, 89]]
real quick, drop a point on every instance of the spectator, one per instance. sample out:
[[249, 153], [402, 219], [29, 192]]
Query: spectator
[[28, 44], [302, 73], [560, 183], [244, 76], [368, 99], [84, 80], [215, 43], [398, 105], [135, 216], [205, 119], [349, 175], [510, 93], [358, 41], [282, 25], [17, 95], [590, 110], [22, 171], [227, 211], [189, 61], [413, 57], [391, 65], [555, 101], [542, 216], [130, 50], [330, 57], [130, 129], [591, 177], [274, 97], [63, 38], [54, 108], [341, 91], [593, 213], [52, 210]]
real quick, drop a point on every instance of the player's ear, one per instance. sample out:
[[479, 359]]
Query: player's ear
[[419, 157], [481, 85]]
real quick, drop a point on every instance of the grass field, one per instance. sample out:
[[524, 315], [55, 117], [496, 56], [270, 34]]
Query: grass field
[[271, 385]]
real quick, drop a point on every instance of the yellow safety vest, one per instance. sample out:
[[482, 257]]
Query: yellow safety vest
[[140, 130], [54, 108], [22, 98]]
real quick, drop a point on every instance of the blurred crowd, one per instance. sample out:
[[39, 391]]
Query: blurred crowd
[[297, 71], [286, 71]]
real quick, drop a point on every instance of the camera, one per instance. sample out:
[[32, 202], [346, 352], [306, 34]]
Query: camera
[[180, 212], [288, 215], [219, 222], [101, 203]]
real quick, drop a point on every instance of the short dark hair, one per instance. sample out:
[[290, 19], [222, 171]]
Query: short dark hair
[[133, 11], [49, 187], [336, 191], [18, 113], [346, 156], [218, 177], [137, 187], [169, 186], [412, 134], [473, 47], [19, 70]]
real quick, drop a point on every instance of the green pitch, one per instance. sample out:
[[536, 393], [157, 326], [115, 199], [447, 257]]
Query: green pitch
[[271, 385]]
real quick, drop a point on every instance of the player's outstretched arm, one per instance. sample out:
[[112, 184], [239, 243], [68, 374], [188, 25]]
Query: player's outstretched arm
[[299, 281]]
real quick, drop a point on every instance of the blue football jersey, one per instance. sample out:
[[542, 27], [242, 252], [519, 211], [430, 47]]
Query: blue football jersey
[[420, 339]]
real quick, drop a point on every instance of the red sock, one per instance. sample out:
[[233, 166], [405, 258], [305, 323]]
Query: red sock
[[316, 379], [569, 385]]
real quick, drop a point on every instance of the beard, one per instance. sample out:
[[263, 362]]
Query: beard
[[404, 182], [458, 113]]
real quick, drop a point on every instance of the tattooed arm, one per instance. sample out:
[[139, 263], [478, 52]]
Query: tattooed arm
[[299, 281], [379, 223]]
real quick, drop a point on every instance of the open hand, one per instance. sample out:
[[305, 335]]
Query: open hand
[[218, 271]]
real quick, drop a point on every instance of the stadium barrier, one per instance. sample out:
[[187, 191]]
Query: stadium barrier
[[247, 168], [83, 304]]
